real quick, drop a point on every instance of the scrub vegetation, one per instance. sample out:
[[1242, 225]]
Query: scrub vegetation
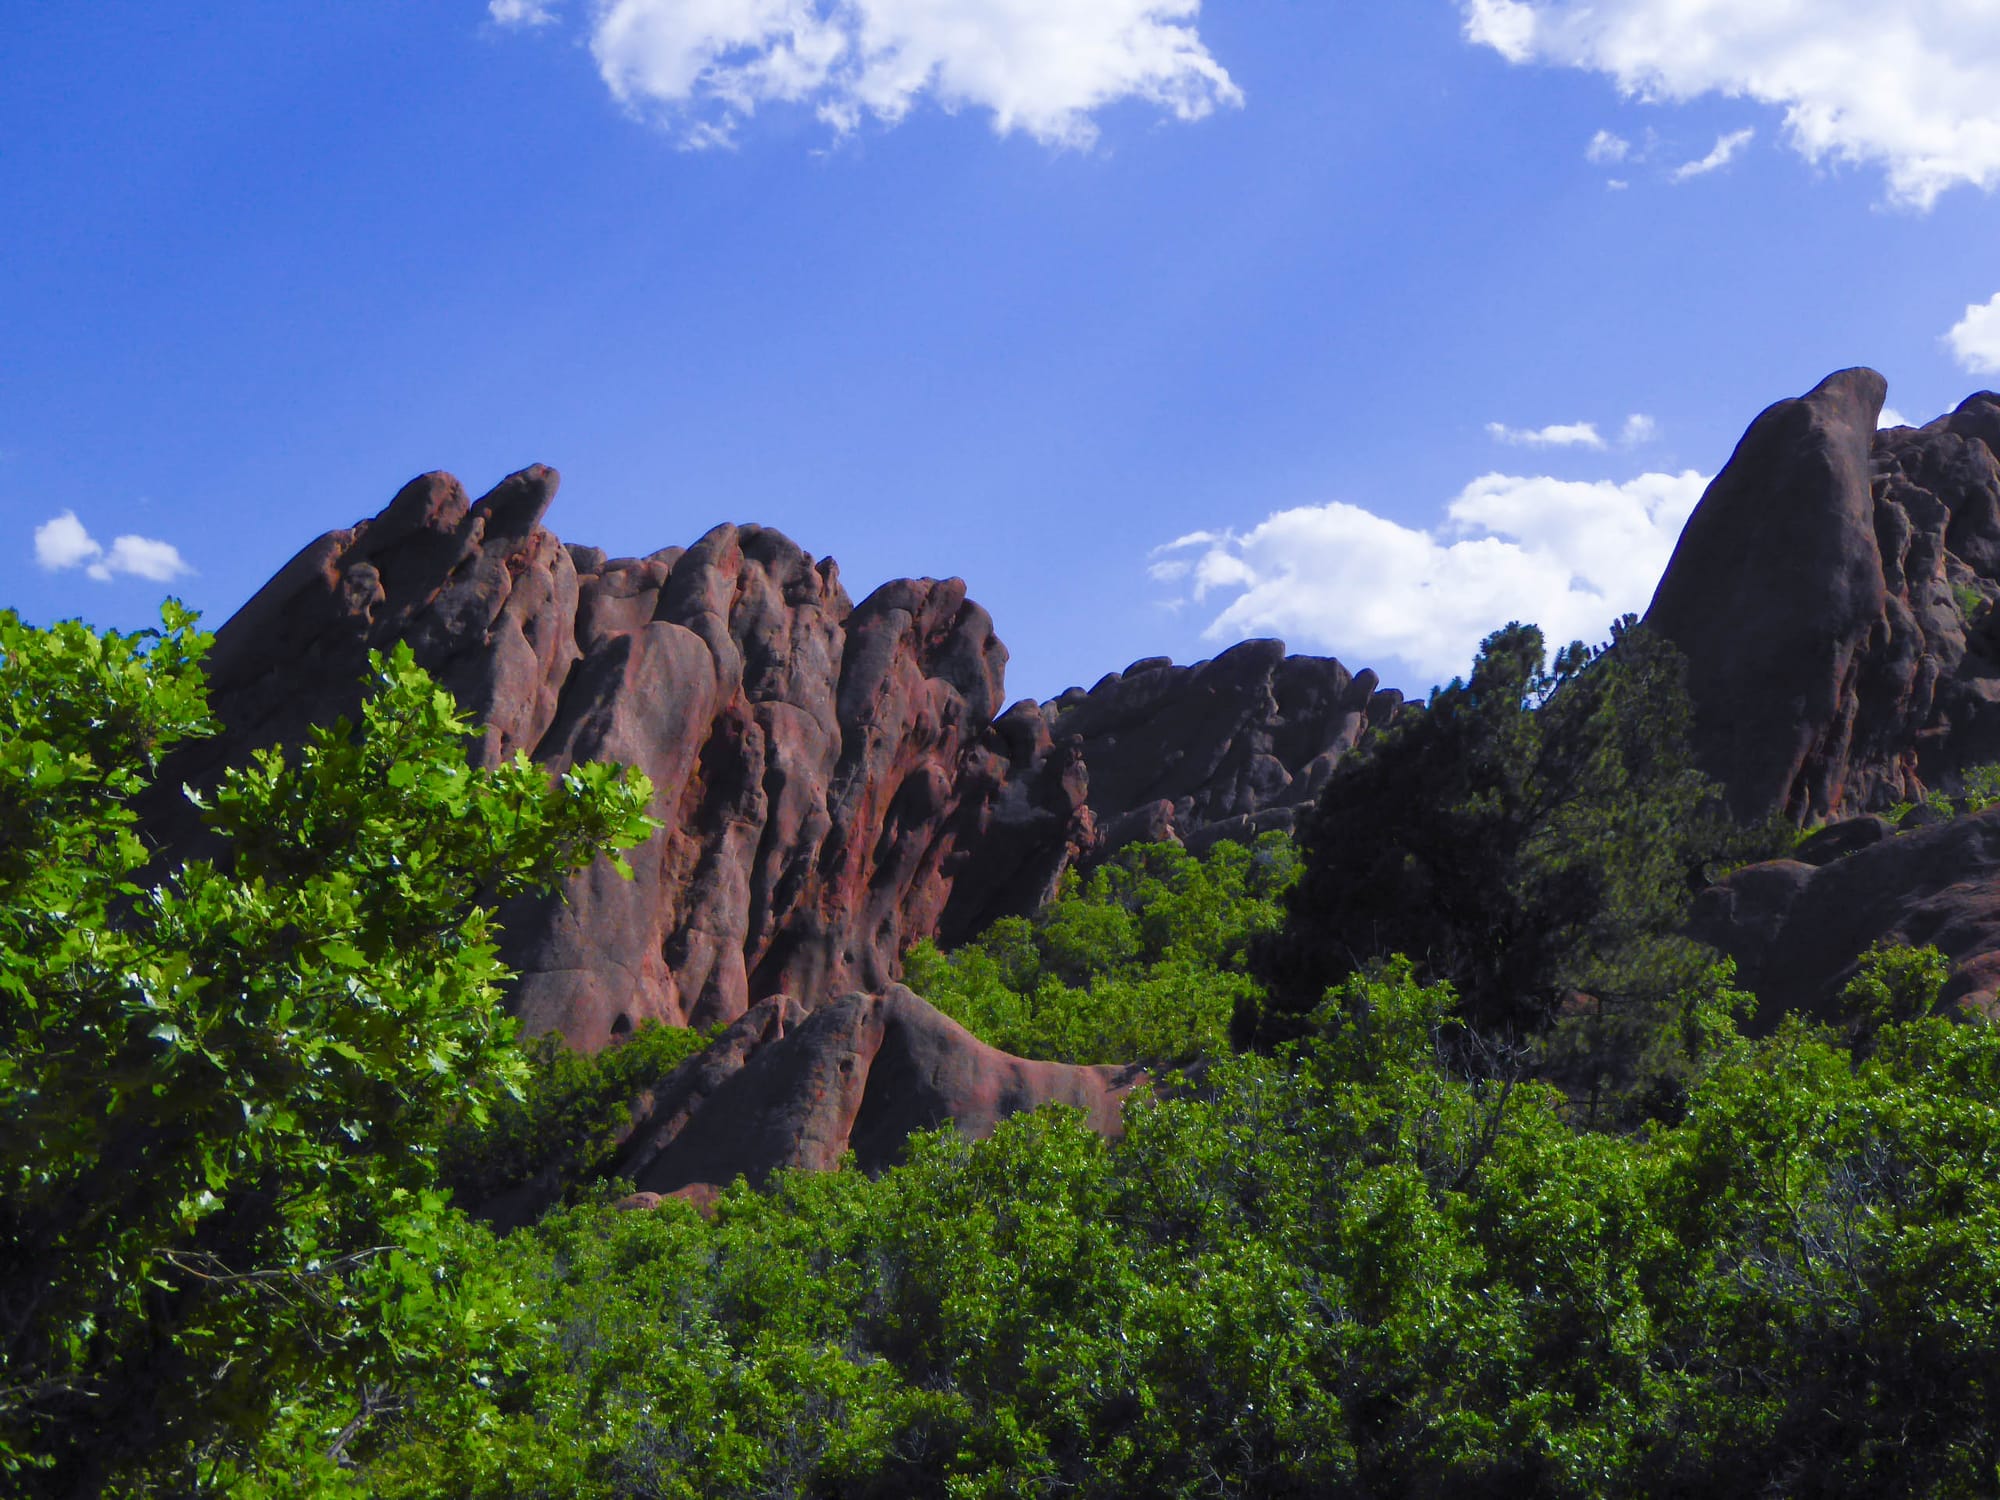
[[1459, 1174]]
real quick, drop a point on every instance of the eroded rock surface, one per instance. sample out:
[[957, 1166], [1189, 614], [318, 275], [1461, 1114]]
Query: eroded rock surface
[[1833, 595], [837, 780]]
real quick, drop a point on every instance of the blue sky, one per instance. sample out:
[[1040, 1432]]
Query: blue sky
[[1162, 324]]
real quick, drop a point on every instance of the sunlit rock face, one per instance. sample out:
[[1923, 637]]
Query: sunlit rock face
[[836, 780]]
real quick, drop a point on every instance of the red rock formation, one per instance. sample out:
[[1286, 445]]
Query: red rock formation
[[1797, 930], [837, 780], [1819, 593], [793, 1086]]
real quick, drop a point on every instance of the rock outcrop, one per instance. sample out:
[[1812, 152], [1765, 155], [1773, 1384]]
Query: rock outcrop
[[1833, 595], [790, 1085], [837, 780], [1797, 929]]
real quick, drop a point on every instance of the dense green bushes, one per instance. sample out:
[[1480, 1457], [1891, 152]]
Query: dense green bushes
[[1379, 1260], [1532, 832], [1342, 1271], [561, 1130]]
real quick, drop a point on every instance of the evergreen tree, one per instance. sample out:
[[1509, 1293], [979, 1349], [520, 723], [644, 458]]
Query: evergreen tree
[[1531, 832]]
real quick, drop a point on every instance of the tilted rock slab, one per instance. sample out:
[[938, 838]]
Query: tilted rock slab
[[1816, 590], [789, 1085], [837, 780]]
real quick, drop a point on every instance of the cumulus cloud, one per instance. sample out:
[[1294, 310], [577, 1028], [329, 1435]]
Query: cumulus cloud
[[1975, 338], [1556, 435], [1605, 149], [1726, 149], [1569, 555], [1913, 88], [62, 543], [1639, 428], [1892, 418], [1042, 67]]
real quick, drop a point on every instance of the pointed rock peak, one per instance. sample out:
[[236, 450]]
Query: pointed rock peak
[[1774, 587], [515, 506], [435, 502], [1857, 393]]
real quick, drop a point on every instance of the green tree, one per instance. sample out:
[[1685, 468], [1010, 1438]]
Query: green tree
[[222, 1089], [1531, 832], [1144, 959]]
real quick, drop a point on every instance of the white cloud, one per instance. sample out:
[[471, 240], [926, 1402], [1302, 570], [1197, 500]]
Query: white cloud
[[1606, 148], [1913, 88], [1726, 149], [1892, 418], [143, 557], [1639, 428], [520, 12], [62, 542], [1975, 338], [1557, 435], [1043, 67], [1570, 556]]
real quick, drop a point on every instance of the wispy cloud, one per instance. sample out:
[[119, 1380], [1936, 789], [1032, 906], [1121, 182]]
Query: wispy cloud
[[1727, 148], [1041, 67], [1639, 428], [62, 543], [1606, 149], [1556, 435], [1913, 87], [1570, 555], [521, 12]]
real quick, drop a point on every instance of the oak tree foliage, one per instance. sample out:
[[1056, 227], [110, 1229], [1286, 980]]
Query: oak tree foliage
[[222, 1089]]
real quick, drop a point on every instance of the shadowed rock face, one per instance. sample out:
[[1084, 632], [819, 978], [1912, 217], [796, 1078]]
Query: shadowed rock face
[[789, 1085], [1816, 593], [1797, 930], [837, 780]]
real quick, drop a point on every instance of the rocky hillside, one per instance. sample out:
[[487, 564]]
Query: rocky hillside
[[837, 780]]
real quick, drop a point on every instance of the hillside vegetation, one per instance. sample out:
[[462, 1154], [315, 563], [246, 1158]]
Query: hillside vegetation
[[1457, 1174]]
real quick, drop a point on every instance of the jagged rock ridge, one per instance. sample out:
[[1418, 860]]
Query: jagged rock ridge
[[837, 780]]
